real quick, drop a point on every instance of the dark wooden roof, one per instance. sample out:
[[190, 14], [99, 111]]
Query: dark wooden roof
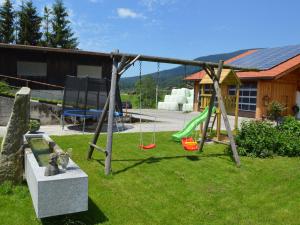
[[48, 49]]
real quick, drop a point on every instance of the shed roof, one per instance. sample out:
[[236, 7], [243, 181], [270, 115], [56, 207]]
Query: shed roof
[[227, 77], [48, 49]]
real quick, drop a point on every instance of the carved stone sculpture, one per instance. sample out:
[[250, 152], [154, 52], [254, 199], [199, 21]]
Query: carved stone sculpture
[[64, 160], [52, 168]]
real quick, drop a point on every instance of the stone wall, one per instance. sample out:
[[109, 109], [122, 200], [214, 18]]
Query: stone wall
[[47, 113]]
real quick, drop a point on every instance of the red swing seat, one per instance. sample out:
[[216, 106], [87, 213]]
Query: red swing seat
[[189, 144], [148, 147]]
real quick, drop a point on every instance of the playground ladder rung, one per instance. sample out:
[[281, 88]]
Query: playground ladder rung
[[97, 147]]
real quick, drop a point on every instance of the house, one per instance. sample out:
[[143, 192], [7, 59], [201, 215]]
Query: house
[[50, 66], [276, 78]]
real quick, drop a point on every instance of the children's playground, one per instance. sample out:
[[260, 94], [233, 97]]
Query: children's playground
[[166, 167]]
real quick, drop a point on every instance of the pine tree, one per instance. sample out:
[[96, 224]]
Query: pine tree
[[7, 22], [62, 35], [29, 25], [47, 31]]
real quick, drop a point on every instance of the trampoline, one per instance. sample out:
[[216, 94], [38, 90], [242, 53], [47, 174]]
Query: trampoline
[[84, 98]]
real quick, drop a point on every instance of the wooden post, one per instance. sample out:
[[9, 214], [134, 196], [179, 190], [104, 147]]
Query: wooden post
[[218, 112], [124, 65], [99, 128], [211, 105], [196, 96], [226, 121], [110, 121], [236, 114], [203, 136]]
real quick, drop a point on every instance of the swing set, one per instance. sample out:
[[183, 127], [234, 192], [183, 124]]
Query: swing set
[[123, 61], [152, 145]]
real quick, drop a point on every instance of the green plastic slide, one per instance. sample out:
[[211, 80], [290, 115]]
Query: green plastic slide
[[190, 127]]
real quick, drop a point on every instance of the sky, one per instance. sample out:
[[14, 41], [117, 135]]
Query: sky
[[181, 28]]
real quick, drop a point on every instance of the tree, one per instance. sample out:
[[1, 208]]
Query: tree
[[147, 89], [46, 20], [62, 35], [29, 25], [7, 22]]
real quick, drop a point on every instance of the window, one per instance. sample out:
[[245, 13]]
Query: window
[[91, 71], [208, 88], [247, 100], [32, 69]]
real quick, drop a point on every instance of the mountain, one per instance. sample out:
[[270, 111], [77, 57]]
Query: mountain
[[174, 77]]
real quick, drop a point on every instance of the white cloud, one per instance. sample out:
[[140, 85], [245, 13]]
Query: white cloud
[[128, 13], [151, 4], [91, 35]]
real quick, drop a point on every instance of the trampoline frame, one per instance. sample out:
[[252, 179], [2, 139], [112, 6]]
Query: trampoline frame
[[79, 106]]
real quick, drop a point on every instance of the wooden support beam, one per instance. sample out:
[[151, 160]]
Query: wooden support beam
[[217, 92], [97, 148], [146, 58], [211, 104], [126, 63], [99, 128], [219, 118], [236, 113], [111, 111], [122, 69], [225, 118]]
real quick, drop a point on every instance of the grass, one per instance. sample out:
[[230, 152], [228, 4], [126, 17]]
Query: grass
[[170, 186], [132, 98]]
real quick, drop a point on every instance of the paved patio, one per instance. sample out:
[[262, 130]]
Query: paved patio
[[166, 121]]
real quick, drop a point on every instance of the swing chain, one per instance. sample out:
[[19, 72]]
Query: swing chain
[[140, 84]]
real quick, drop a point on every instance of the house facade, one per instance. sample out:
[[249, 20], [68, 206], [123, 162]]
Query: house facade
[[276, 77], [51, 65]]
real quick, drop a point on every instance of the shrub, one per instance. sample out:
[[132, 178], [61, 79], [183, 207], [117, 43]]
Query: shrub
[[289, 137], [275, 110], [263, 139], [34, 125], [257, 138]]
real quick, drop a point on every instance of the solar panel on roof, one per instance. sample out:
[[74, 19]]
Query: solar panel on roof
[[267, 58]]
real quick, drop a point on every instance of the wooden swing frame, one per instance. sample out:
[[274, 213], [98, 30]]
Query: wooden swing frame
[[121, 62]]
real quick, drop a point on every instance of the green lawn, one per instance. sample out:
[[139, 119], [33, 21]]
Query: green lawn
[[132, 98], [170, 186]]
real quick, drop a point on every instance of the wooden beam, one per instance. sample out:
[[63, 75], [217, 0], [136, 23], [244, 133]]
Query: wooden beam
[[111, 111], [236, 113], [98, 128], [177, 61], [98, 148], [211, 104], [225, 118], [126, 65]]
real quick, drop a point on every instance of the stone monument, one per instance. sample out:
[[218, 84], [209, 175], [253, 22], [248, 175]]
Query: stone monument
[[11, 152]]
